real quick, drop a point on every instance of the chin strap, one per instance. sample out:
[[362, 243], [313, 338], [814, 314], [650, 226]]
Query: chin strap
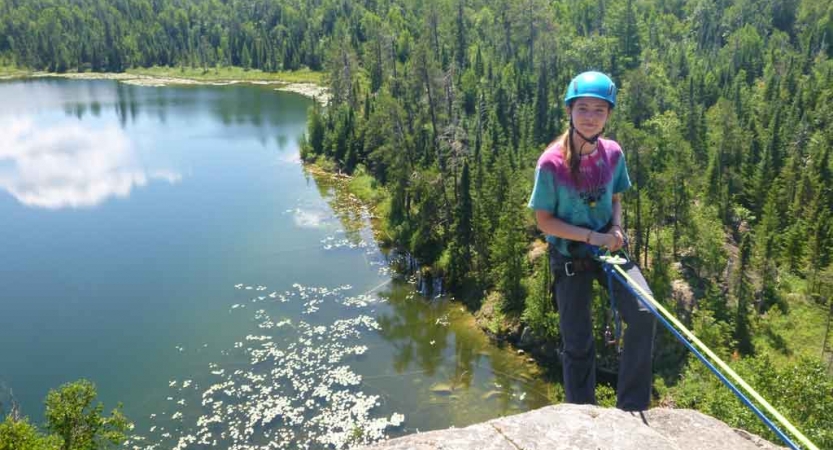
[[590, 140]]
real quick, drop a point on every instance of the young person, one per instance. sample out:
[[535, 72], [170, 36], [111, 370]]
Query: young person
[[577, 202]]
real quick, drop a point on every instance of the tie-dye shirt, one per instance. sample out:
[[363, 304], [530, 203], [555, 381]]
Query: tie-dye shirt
[[588, 203]]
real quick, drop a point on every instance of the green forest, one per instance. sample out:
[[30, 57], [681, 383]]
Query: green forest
[[440, 109]]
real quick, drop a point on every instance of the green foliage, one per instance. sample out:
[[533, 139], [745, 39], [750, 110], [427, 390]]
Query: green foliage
[[706, 237], [508, 254], [459, 262], [314, 139], [366, 188], [230, 74], [540, 312], [605, 396], [21, 435], [425, 242], [103, 35], [802, 392], [743, 297], [714, 333], [79, 423], [73, 421]]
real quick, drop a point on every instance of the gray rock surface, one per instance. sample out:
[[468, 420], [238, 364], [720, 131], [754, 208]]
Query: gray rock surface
[[580, 427]]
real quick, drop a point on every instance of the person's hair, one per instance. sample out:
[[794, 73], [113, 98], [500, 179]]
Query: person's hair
[[572, 155]]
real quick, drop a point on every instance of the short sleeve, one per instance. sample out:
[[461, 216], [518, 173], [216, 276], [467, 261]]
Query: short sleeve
[[621, 179], [543, 193]]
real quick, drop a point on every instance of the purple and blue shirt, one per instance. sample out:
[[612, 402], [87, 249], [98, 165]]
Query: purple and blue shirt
[[587, 203]]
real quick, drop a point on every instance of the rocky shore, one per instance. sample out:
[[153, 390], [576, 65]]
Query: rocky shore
[[314, 91]]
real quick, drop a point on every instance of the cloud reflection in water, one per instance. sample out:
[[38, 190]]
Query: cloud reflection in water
[[69, 165], [309, 218]]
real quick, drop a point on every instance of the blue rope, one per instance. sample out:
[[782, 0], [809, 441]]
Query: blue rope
[[617, 321], [681, 338]]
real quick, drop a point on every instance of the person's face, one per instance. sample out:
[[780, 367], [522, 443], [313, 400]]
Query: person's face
[[589, 114]]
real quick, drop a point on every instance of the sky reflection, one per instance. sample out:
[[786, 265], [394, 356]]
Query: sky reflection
[[69, 165]]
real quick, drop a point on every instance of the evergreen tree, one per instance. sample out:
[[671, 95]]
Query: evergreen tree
[[463, 242], [509, 254], [425, 242], [460, 45], [246, 58], [315, 133], [543, 122]]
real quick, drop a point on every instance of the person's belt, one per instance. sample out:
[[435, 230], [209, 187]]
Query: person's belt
[[574, 266]]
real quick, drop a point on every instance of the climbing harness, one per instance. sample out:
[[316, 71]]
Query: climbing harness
[[611, 264]]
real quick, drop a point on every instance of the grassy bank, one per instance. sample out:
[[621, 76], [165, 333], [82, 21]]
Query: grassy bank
[[13, 72], [199, 75], [364, 187], [230, 74]]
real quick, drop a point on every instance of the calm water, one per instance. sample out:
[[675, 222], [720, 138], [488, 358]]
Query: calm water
[[167, 244]]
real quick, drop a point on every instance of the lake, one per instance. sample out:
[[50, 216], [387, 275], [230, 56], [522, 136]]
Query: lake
[[167, 244]]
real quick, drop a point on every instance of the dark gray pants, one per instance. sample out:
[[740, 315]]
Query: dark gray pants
[[573, 295]]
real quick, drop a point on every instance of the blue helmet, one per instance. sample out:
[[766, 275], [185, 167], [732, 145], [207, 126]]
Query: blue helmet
[[591, 84]]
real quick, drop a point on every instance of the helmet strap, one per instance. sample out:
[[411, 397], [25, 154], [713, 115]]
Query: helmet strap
[[590, 140]]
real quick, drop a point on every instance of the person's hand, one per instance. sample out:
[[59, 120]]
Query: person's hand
[[605, 240], [613, 241], [620, 237]]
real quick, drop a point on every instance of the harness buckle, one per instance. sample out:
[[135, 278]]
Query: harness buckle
[[568, 269]]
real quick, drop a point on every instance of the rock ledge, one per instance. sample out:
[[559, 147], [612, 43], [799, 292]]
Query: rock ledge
[[580, 427]]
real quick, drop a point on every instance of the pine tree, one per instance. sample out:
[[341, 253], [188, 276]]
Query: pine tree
[[460, 265], [460, 46], [426, 242], [542, 122], [315, 131], [478, 63], [246, 59], [509, 253], [628, 36]]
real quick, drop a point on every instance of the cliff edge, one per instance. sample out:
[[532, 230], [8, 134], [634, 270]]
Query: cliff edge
[[580, 427]]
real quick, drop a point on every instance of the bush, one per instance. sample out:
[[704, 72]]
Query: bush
[[539, 312], [71, 414], [802, 392], [73, 420], [21, 435]]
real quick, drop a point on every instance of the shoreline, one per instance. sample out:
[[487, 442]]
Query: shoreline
[[310, 90]]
